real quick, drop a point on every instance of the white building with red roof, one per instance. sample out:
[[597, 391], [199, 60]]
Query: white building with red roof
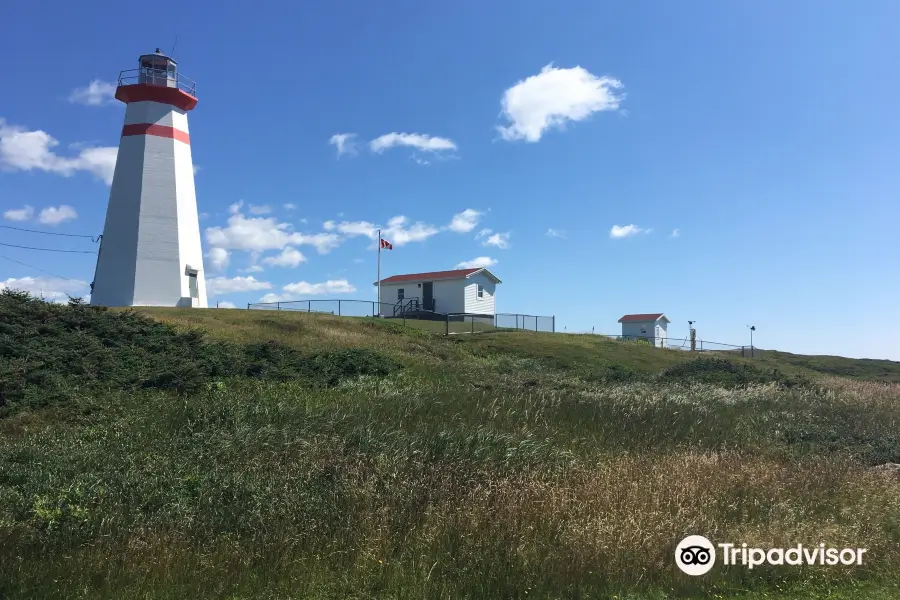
[[470, 291], [646, 326]]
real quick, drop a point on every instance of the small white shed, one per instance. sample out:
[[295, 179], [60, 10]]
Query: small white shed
[[470, 291], [646, 326]]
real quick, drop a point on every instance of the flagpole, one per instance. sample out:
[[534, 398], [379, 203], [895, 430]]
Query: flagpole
[[379, 272]]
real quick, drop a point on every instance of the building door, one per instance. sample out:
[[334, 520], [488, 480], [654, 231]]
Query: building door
[[428, 295]]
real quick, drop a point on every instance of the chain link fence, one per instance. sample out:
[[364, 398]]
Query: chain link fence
[[682, 344], [412, 314]]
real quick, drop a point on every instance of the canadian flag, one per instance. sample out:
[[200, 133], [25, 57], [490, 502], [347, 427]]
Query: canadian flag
[[386, 245]]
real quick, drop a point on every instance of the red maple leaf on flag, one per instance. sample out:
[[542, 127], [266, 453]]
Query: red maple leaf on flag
[[386, 245]]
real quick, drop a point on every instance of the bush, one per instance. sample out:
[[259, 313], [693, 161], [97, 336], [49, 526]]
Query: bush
[[719, 371], [49, 353]]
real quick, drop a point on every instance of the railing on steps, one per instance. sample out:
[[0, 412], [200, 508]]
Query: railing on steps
[[402, 307]]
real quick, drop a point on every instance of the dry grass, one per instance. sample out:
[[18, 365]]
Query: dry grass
[[496, 466]]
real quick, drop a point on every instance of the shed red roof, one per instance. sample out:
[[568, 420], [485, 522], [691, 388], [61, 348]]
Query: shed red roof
[[641, 318], [455, 274]]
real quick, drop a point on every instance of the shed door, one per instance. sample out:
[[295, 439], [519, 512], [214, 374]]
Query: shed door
[[428, 295]]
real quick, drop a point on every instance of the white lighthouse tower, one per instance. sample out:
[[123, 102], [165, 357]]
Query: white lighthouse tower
[[150, 253]]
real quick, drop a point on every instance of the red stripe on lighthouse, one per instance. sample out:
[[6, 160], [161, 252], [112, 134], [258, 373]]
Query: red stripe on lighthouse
[[157, 130], [145, 92]]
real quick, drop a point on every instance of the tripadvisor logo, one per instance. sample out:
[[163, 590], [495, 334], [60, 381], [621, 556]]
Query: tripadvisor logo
[[696, 555]]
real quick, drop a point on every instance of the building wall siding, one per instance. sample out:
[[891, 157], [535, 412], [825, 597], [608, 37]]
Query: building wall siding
[[632, 330], [482, 306], [449, 295], [389, 296]]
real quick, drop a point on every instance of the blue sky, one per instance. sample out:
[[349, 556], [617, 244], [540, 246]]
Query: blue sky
[[764, 134]]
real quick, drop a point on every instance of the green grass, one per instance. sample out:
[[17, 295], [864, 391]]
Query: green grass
[[245, 454]]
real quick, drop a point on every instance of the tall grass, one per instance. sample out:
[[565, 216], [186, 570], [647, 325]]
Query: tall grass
[[504, 476]]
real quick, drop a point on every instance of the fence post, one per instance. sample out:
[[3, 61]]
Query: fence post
[[248, 306], [278, 306], [339, 308], [309, 306], [473, 324], [373, 309], [553, 324], [535, 324], [447, 324]]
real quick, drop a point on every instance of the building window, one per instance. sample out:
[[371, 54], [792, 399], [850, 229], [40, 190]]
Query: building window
[[192, 285], [479, 290], [400, 294]]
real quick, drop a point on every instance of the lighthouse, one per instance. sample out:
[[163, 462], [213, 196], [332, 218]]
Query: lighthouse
[[150, 252]]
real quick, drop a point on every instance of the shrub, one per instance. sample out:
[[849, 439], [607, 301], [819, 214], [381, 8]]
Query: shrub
[[720, 371], [51, 352]]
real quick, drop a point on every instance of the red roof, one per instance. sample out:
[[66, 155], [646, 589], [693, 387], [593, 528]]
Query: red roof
[[455, 274], [641, 318]]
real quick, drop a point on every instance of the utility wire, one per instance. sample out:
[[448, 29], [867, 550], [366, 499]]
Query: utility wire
[[39, 269], [49, 249], [90, 237]]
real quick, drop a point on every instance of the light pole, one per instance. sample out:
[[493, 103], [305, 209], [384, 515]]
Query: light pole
[[752, 329], [692, 333]]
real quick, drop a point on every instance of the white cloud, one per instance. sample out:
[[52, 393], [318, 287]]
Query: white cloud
[[289, 257], [270, 297], [225, 304], [425, 143], [465, 221], [19, 214], [482, 262], [236, 207], [54, 216], [554, 97], [196, 168], [52, 289], [96, 93], [289, 206], [218, 258], [203, 216], [322, 242], [344, 143], [555, 233], [676, 233], [23, 150], [261, 234], [224, 285], [623, 231], [500, 240], [356, 228], [398, 233], [259, 209], [332, 286], [398, 230]]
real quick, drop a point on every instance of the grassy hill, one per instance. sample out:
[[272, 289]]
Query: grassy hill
[[170, 453]]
